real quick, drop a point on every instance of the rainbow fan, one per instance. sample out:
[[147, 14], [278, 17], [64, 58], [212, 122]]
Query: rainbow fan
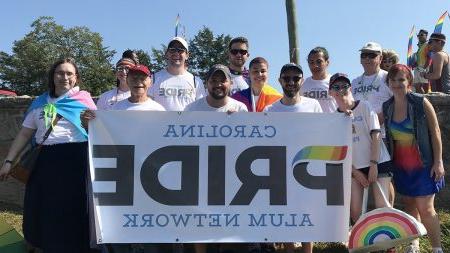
[[383, 228]]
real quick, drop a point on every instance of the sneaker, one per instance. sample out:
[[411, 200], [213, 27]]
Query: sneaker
[[412, 249]]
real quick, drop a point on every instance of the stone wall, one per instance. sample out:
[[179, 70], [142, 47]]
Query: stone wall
[[12, 110]]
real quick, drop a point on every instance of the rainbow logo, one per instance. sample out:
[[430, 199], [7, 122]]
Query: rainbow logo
[[383, 228], [327, 153]]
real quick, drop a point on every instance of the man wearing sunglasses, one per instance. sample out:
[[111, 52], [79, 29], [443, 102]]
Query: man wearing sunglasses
[[371, 85], [439, 72], [291, 80], [174, 87], [237, 56], [316, 86]]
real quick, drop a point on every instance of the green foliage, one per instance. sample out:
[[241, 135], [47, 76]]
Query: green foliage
[[25, 70], [144, 57], [205, 50], [158, 61]]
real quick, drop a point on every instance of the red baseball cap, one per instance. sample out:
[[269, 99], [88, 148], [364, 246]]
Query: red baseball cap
[[140, 68]]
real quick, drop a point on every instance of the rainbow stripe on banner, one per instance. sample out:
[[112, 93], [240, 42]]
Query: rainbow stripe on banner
[[440, 23], [410, 58], [327, 153], [383, 228]]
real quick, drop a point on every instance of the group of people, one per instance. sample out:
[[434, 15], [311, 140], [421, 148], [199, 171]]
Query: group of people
[[395, 131]]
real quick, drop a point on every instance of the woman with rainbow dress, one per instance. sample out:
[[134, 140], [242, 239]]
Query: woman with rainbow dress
[[414, 143]]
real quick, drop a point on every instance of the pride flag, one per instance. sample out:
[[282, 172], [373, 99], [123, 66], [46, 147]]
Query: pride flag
[[177, 24], [410, 57], [440, 23]]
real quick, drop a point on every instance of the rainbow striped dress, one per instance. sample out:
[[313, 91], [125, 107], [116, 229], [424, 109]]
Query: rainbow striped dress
[[410, 177]]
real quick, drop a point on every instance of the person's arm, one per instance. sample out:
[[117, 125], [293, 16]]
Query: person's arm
[[437, 65], [18, 144], [374, 155], [433, 127]]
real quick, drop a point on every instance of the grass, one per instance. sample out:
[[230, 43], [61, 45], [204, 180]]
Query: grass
[[13, 215]]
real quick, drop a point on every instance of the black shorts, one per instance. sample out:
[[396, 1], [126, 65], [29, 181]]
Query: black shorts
[[384, 169]]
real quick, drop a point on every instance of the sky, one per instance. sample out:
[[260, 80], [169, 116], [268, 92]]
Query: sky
[[343, 26]]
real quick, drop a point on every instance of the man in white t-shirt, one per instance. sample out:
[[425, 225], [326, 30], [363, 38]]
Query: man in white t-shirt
[[316, 86], [291, 79], [174, 87], [371, 86], [218, 83], [237, 56], [139, 81]]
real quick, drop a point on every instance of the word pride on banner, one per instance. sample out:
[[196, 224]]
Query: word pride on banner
[[213, 177]]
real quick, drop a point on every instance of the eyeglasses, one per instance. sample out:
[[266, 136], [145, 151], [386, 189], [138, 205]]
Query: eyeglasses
[[337, 87], [295, 79], [422, 34], [62, 74], [368, 55], [122, 68], [238, 51], [179, 50]]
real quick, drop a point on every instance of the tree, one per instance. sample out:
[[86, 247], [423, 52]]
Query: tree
[[25, 70], [205, 50]]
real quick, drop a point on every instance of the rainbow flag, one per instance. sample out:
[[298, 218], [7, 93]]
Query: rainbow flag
[[177, 24], [440, 23], [410, 58], [268, 96], [69, 107]]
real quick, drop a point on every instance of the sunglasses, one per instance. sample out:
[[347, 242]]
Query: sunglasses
[[295, 79], [337, 87], [368, 55], [173, 50], [238, 51]]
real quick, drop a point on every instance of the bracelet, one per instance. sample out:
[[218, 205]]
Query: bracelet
[[373, 162], [7, 161]]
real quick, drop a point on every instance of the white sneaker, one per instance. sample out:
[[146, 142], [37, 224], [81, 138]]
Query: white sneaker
[[412, 249]]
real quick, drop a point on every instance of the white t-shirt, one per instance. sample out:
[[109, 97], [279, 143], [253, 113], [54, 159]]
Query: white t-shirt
[[63, 131], [305, 105], [372, 89], [365, 120], [318, 89], [175, 92], [239, 83], [107, 100], [148, 105], [202, 105]]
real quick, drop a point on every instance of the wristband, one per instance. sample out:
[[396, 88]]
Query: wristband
[[373, 162]]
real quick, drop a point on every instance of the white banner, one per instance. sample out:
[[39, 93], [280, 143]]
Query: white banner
[[213, 177]]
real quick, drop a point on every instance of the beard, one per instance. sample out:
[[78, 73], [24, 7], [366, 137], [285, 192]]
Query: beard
[[222, 93], [291, 92]]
